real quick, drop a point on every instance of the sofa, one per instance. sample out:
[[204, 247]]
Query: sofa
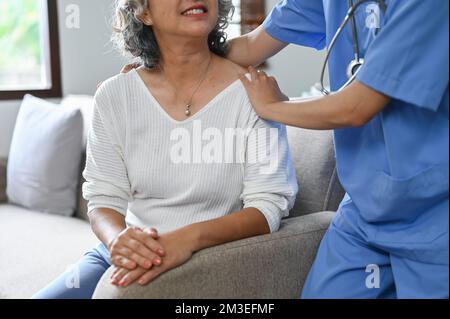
[[36, 247]]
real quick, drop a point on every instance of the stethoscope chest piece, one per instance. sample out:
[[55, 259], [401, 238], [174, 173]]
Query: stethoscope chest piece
[[353, 67]]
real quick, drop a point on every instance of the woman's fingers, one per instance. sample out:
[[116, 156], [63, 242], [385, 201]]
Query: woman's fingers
[[133, 254], [135, 246], [152, 232], [127, 278], [116, 270], [149, 276], [142, 255], [149, 242], [123, 277], [118, 275], [121, 261]]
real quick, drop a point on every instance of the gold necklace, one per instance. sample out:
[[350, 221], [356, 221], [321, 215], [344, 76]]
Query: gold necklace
[[188, 111]]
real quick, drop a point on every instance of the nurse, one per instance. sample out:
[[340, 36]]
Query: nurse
[[389, 238]]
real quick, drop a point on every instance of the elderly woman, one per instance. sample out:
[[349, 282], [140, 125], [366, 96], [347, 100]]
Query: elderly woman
[[156, 192]]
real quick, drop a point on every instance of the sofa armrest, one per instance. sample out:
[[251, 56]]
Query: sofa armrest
[[3, 164], [269, 266]]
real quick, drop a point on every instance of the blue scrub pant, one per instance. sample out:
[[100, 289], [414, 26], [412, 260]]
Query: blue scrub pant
[[344, 267], [89, 270]]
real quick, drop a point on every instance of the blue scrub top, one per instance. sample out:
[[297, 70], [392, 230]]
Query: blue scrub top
[[395, 168]]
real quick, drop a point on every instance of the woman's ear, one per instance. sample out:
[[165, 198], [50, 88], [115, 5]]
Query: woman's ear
[[146, 18]]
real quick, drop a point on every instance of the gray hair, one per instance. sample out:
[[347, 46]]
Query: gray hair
[[135, 38]]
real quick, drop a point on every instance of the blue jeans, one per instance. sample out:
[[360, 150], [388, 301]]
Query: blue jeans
[[81, 280]]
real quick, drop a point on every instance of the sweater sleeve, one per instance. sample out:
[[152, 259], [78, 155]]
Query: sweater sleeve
[[270, 183], [107, 184]]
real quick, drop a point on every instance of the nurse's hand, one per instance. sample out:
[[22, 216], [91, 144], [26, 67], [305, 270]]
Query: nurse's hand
[[263, 90], [127, 68], [179, 249], [136, 247]]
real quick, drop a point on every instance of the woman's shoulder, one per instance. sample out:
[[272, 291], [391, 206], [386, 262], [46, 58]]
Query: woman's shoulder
[[115, 85], [230, 73], [112, 96], [115, 91], [230, 68]]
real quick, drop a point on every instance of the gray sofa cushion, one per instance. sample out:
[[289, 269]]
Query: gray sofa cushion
[[313, 156], [35, 248], [3, 163], [269, 266]]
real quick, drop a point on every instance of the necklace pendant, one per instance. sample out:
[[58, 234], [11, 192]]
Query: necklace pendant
[[188, 110]]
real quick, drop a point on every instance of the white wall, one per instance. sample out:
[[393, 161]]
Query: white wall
[[296, 68], [87, 58]]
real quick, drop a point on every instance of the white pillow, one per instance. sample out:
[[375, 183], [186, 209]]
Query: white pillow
[[44, 159]]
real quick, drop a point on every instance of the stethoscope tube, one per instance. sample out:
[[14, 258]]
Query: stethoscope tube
[[355, 65], [354, 33]]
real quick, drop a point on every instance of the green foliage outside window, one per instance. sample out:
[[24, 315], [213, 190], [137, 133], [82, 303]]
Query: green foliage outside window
[[20, 47]]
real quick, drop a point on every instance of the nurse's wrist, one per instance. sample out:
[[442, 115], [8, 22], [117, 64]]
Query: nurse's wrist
[[268, 111]]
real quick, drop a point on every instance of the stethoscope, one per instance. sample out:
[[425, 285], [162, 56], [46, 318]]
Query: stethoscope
[[355, 65]]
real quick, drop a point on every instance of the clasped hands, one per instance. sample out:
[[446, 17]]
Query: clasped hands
[[142, 254]]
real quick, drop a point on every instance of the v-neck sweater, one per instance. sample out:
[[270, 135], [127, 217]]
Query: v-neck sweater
[[163, 173]]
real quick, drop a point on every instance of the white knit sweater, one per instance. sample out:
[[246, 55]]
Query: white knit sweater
[[135, 164]]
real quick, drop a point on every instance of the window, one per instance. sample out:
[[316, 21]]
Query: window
[[248, 15], [29, 55]]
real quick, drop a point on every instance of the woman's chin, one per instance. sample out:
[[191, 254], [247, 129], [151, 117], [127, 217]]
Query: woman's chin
[[197, 27], [196, 33]]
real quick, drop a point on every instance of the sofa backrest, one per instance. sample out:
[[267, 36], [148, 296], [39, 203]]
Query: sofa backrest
[[313, 156], [314, 160], [81, 211], [3, 164]]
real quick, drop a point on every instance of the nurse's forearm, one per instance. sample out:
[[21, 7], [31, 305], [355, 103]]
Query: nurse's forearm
[[242, 224], [352, 107], [254, 48], [320, 114]]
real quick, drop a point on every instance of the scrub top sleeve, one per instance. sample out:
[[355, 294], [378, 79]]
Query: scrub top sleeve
[[300, 22], [408, 60]]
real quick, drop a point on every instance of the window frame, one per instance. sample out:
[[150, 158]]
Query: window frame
[[255, 23], [55, 91], [241, 23]]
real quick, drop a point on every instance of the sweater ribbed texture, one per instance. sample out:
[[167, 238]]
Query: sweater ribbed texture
[[130, 164]]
